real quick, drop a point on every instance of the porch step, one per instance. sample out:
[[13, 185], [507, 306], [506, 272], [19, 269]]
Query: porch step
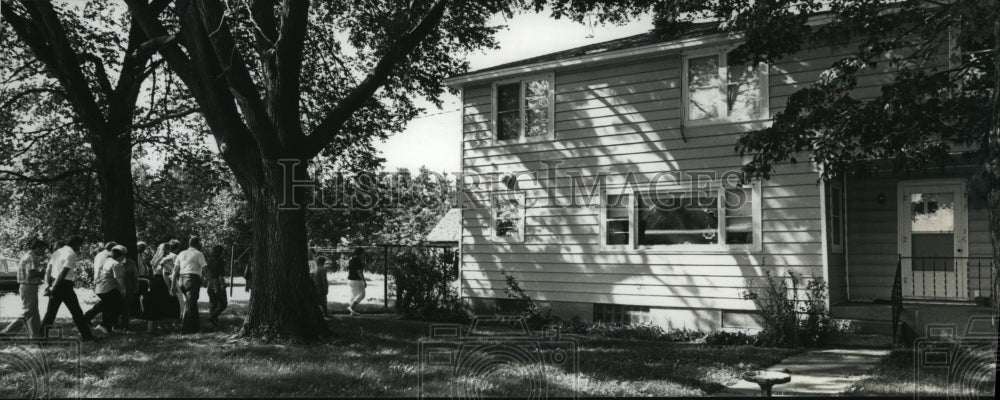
[[858, 340], [862, 311], [863, 326]]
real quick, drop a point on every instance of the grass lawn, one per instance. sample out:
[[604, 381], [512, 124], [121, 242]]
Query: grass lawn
[[378, 356], [972, 374]]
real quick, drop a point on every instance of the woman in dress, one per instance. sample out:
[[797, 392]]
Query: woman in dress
[[167, 268], [156, 303]]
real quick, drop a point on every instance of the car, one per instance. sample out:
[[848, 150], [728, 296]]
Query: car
[[8, 275]]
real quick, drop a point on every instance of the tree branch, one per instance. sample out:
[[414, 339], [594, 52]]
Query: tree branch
[[31, 91], [158, 120], [19, 177], [49, 42], [102, 74], [235, 70], [326, 130]]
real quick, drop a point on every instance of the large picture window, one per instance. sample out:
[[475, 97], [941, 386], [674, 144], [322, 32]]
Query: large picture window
[[717, 90], [507, 216], [523, 108], [717, 218]]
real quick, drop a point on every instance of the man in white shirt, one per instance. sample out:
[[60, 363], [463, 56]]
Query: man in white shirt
[[187, 276], [59, 280], [102, 256]]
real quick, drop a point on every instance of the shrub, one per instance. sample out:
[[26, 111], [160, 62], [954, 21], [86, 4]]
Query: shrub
[[787, 321], [732, 338], [425, 287], [630, 331], [519, 303]]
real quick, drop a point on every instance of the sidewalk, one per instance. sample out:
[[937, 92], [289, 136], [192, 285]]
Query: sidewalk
[[816, 372]]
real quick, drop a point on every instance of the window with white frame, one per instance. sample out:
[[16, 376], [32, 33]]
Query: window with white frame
[[835, 211], [507, 216], [524, 108], [716, 218], [717, 90]]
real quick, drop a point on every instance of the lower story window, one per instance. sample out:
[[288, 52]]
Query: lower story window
[[621, 314], [713, 218]]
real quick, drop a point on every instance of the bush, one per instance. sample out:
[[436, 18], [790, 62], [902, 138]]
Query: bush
[[787, 321], [732, 338], [630, 331], [519, 303], [425, 287]]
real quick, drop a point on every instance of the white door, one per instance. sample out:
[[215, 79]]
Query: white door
[[933, 236]]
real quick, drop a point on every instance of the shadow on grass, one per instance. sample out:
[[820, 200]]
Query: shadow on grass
[[379, 356], [970, 373]]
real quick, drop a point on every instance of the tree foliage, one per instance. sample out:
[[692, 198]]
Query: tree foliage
[[397, 208], [292, 80], [75, 101], [934, 107]]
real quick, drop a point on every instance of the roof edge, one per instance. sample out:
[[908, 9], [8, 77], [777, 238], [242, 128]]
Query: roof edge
[[599, 58]]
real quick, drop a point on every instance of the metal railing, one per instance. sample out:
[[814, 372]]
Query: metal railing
[[897, 299], [929, 278]]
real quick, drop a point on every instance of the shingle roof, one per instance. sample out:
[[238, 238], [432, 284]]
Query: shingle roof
[[448, 228], [608, 46]]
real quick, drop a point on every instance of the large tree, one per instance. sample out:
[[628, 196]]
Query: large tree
[[928, 112], [75, 97], [283, 82]]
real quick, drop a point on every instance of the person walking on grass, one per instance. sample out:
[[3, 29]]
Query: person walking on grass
[[130, 300], [101, 257], [168, 263], [110, 288], [356, 279], [320, 282], [59, 288], [215, 282], [187, 276], [30, 271]]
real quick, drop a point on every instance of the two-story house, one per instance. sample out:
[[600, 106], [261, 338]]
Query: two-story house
[[632, 121]]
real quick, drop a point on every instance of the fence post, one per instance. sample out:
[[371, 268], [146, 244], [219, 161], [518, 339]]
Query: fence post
[[232, 254], [385, 276]]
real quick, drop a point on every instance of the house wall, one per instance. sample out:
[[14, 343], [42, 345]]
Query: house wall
[[626, 117], [872, 234]]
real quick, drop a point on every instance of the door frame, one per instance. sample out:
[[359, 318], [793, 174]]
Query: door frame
[[904, 240]]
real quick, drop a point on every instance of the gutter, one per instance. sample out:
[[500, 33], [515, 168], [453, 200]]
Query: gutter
[[601, 58]]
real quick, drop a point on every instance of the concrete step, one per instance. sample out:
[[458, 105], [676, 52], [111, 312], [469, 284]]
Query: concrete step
[[858, 340], [863, 326], [862, 311]]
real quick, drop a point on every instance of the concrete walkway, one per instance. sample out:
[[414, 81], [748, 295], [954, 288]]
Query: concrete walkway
[[816, 372]]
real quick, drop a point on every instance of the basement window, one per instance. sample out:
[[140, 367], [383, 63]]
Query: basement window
[[621, 314]]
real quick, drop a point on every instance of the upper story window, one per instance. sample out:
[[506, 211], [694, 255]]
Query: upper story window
[[524, 108], [716, 90], [711, 219]]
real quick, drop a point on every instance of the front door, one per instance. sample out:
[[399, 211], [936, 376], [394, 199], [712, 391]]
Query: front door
[[933, 237]]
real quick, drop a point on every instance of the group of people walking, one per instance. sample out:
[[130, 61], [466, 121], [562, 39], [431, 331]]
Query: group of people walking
[[162, 287]]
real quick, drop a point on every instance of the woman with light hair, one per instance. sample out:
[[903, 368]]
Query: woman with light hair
[[110, 288]]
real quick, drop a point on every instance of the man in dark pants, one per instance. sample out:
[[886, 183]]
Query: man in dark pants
[[59, 280], [187, 274]]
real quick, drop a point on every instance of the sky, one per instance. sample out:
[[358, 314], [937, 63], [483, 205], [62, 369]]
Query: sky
[[433, 139]]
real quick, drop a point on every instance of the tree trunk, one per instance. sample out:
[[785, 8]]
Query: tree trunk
[[282, 299], [114, 176]]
